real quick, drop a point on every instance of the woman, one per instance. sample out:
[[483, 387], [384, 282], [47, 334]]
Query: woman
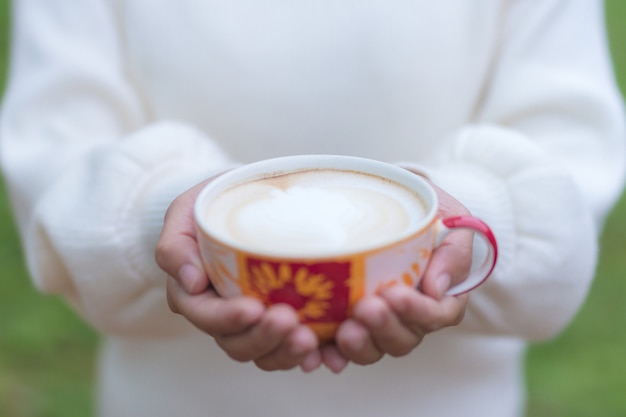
[[116, 108]]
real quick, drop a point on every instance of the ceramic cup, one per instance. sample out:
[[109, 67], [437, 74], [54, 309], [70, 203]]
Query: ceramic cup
[[324, 285]]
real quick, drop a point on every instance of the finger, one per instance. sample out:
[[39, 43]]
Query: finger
[[333, 359], [388, 333], [244, 328], [449, 265], [299, 344], [311, 361], [354, 343], [424, 314], [177, 249], [263, 337], [212, 314], [451, 260]]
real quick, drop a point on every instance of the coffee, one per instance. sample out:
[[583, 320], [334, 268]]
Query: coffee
[[314, 211]]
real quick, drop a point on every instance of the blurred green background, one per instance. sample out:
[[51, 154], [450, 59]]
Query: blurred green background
[[47, 354]]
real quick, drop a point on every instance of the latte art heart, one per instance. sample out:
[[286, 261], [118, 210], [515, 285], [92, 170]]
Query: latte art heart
[[314, 211]]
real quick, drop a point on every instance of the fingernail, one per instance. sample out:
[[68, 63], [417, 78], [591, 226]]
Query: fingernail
[[189, 276], [443, 284]]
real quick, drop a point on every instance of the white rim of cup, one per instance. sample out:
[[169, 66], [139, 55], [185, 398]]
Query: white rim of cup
[[269, 168]]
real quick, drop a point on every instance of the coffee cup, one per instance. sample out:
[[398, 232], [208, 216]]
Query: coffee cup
[[319, 232]]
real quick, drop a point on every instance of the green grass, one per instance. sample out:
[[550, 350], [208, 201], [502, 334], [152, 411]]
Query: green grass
[[582, 373], [47, 354]]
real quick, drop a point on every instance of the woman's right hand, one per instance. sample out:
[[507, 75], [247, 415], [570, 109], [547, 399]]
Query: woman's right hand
[[271, 337]]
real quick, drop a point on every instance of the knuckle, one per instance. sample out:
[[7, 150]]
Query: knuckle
[[172, 207], [459, 318], [401, 350], [453, 318], [274, 364], [433, 327], [368, 358], [399, 346], [264, 366], [161, 253], [372, 359], [261, 345], [238, 355]]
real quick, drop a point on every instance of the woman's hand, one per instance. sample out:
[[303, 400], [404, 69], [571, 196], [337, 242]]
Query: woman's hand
[[243, 327], [395, 321]]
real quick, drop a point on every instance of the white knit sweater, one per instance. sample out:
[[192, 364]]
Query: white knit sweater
[[114, 107]]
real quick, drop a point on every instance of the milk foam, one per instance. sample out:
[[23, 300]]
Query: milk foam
[[314, 211]]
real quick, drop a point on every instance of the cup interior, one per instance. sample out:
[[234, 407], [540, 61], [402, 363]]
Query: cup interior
[[283, 165]]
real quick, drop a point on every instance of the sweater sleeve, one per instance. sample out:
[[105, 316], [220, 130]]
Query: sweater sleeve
[[90, 174], [542, 162]]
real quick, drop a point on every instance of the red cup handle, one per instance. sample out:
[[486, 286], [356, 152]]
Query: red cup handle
[[482, 272]]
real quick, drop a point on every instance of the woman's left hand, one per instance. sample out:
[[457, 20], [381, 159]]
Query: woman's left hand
[[395, 321]]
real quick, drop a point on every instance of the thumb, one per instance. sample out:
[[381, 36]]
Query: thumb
[[177, 250], [450, 264], [451, 261]]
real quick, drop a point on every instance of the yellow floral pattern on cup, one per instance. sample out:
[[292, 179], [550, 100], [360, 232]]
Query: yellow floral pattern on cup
[[310, 293]]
